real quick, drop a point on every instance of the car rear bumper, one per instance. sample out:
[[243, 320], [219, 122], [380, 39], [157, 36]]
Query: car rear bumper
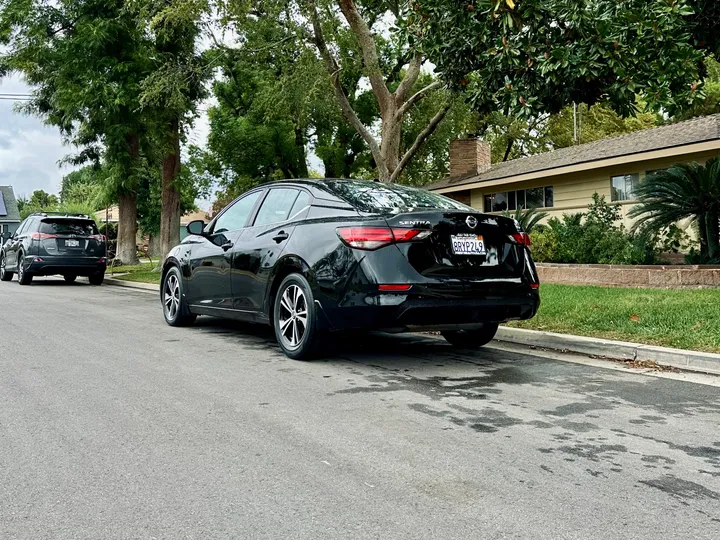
[[50, 265], [403, 313]]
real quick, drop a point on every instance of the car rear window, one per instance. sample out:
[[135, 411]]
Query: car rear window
[[80, 227], [374, 197]]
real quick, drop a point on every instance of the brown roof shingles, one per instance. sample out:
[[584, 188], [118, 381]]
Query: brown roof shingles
[[697, 130]]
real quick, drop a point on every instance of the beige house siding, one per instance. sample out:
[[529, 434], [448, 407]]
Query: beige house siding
[[572, 192]]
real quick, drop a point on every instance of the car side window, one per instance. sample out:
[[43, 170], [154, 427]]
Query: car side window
[[276, 206], [21, 228], [301, 203], [235, 217]]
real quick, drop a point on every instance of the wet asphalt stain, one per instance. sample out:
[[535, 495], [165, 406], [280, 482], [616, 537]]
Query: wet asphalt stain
[[711, 454], [682, 489], [578, 408], [588, 451], [437, 388]]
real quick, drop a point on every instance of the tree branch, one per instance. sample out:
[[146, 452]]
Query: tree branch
[[417, 96], [411, 77], [345, 106], [369, 52], [395, 71], [420, 139]]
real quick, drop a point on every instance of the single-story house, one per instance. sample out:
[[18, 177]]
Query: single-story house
[[9, 214], [563, 181]]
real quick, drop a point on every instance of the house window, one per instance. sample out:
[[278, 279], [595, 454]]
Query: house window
[[535, 197], [540, 197], [623, 187], [496, 202]]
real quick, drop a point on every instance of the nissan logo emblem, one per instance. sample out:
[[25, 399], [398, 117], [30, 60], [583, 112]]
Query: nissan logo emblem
[[471, 221]]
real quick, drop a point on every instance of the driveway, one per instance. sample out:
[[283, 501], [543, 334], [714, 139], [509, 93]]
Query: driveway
[[114, 425]]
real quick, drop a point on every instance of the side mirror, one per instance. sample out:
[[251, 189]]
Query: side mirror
[[195, 227]]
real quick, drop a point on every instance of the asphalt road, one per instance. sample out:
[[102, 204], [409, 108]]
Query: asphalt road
[[114, 425]]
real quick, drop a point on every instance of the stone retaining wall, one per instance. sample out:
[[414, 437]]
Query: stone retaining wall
[[685, 276]]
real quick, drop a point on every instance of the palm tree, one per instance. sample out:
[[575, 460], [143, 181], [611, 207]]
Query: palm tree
[[681, 192], [528, 219]]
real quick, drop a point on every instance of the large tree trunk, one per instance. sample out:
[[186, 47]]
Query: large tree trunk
[[127, 208], [170, 211], [127, 229]]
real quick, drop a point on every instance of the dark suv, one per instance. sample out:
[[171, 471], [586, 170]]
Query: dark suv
[[47, 244]]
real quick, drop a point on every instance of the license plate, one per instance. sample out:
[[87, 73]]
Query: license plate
[[72, 243], [468, 244]]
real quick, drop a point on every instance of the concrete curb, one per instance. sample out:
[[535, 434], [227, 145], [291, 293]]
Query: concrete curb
[[132, 285], [678, 358]]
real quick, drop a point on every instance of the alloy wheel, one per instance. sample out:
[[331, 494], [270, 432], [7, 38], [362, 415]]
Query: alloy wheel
[[2, 265], [172, 297], [20, 269], [293, 316]]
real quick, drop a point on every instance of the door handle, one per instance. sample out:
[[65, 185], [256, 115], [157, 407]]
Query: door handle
[[227, 245], [281, 236]]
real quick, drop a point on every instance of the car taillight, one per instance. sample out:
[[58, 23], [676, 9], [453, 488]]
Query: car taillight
[[98, 237], [535, 286], [371, 238], [394, 288], [522, 238], [42, 236]]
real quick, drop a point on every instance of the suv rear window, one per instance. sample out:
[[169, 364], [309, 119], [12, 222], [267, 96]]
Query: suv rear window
[[376, 197], [80, 227]]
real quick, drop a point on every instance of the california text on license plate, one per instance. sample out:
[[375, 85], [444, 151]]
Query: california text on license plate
[[72, 243], [468, 244]]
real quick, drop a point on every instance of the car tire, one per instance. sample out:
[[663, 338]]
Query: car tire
[[172, 296], [471, 339], [69, 278], [298, 336], [4, 274], [24, 277], [95, 279]]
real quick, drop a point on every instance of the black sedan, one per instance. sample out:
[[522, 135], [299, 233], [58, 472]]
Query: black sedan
[[317, 256]]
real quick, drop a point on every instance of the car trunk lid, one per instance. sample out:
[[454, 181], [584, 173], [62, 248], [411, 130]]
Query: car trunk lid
[[462, 245]]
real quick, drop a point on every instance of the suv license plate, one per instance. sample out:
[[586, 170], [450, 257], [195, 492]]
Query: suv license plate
[[468, 244], [72, 243]]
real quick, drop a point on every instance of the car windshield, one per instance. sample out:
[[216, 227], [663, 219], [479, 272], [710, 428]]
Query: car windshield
[[375, 197], [80, 227]]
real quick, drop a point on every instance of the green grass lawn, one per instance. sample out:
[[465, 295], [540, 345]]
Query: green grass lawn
[[686, 319], [143, 267], [141, 277]]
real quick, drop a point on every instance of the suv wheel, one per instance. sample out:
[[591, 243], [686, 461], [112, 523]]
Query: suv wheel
[[175, 308], [70, 278], [294, 318], [471, 339], [95, 279], [4, 274], [24, 277]]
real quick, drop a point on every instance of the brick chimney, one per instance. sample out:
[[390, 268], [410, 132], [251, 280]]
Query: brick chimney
[[468, 157]]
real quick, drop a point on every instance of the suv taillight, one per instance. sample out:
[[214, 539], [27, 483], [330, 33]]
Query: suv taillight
[[371, 238], [98, 237], [42, 236]]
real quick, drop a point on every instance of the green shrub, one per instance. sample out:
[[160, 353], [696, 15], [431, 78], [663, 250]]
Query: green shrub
[[595, 238], [544, 244]]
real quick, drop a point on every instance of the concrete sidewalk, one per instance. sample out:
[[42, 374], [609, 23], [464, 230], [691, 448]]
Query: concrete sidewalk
[[701, 362]]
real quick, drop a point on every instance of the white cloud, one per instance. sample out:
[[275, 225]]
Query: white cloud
[[29, 150]]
